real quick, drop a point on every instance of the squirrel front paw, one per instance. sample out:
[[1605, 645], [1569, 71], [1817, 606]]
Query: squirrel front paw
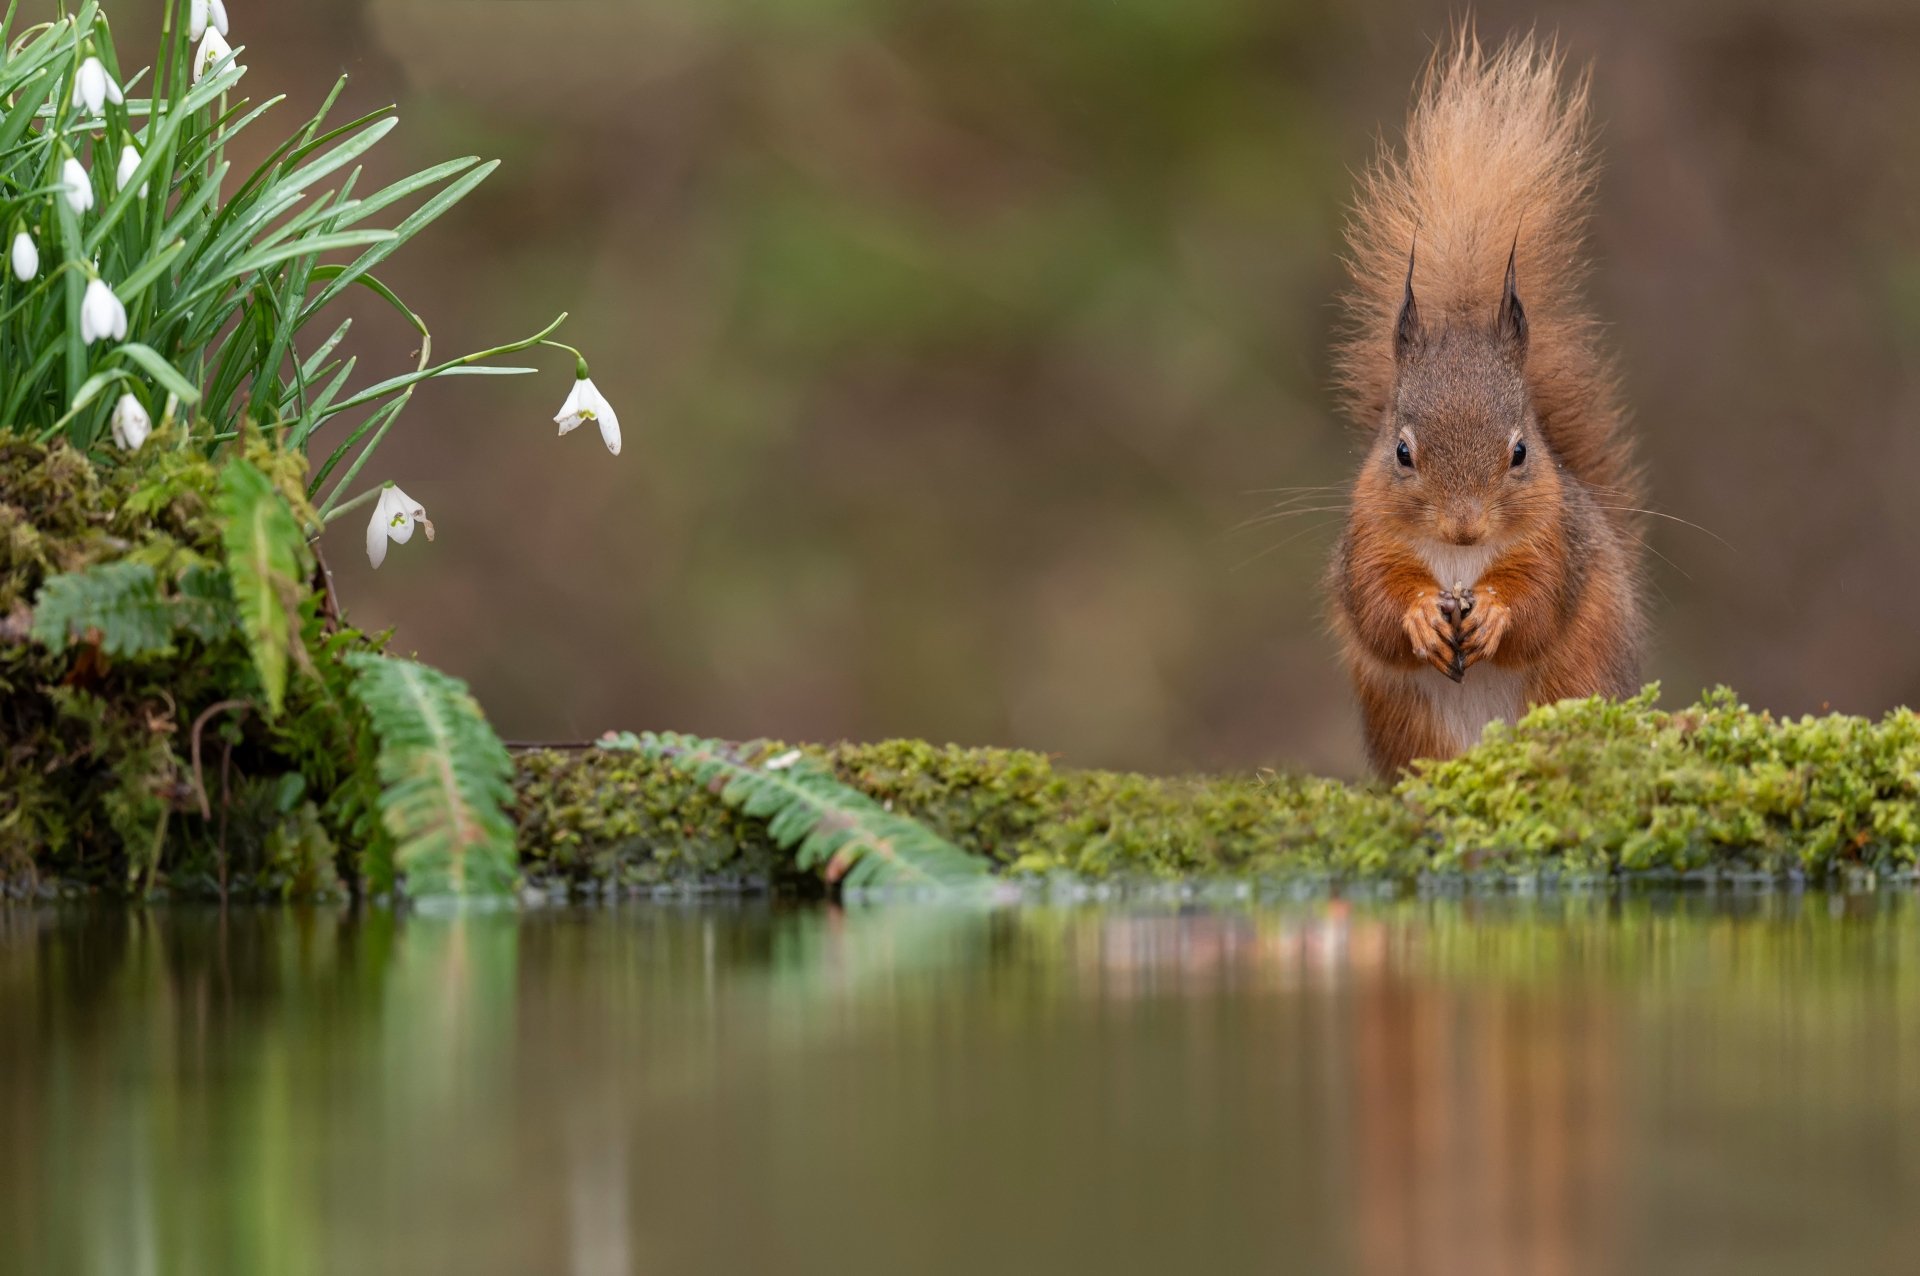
[[1429, 626], [1482, 628]]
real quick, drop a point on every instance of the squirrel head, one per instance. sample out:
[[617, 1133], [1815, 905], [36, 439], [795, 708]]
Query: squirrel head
[[1460, 458]]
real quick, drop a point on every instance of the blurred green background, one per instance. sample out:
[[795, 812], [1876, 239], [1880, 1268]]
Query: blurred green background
[[953, 340]]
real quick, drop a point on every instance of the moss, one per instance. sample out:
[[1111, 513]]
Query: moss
[[98, 783], [1597, 786], [602, 820], [1585, 787]]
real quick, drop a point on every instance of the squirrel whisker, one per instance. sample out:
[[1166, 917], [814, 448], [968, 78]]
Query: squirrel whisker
[[1283, 543], [1672, 518], [1275, 516]]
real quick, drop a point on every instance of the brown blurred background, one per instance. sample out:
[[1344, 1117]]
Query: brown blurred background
[[953, 339]]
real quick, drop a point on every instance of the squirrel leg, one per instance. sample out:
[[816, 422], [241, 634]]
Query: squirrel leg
[[1399, 719], [1394, 609], [1428, 623]]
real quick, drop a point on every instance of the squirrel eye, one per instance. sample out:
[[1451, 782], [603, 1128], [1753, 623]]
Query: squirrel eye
[[1519, 452], [1404, 454]]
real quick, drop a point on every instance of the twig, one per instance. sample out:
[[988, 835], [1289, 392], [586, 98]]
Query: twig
[[329, 600], [199, 724]]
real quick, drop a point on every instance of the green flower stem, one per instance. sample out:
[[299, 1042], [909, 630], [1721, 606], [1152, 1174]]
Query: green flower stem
[[349, 506], [382, 420], [427, 374], [580, 372]]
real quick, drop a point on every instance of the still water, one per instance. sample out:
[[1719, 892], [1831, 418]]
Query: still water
[[1583, 1084]]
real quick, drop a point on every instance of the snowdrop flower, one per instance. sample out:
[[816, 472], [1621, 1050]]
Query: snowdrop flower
[[203, 11], [93, 88], [26, 258], [101, 314], [79, 186], [586, 403], [394, 515], [213, 47], [131, 425], [129, 160]]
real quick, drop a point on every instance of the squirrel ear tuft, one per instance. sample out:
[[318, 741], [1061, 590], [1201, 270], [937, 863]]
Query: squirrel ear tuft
[[1511, 323], [1406, 330]]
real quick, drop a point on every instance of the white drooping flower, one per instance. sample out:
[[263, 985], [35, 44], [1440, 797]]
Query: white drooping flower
[[93, 88], [394, 515], [101, 314], [213, 47], [26, 258], [78, 186], [586, 403], [131, 424], [203, 12], [129, 161]]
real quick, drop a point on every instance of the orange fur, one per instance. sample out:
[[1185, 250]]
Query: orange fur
[[1498, 444]]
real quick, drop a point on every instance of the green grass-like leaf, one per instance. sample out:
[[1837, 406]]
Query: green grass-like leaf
[[223, 270], [835, 829], [447, 778], [266, 563]]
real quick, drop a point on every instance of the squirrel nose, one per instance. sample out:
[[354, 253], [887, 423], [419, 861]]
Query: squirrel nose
[[1466, 524]]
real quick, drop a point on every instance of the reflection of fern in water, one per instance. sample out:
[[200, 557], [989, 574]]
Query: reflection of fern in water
[[833, 828]]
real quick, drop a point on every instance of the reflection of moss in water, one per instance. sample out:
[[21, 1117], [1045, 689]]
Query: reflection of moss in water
[[1582, 787]]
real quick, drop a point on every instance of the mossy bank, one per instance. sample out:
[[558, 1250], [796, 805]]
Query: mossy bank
[[1584, 788], [161, 769]]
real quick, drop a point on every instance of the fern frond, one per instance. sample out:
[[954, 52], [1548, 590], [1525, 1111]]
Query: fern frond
[[266, 560], [119, 602], [203, 606], [833, 828], [446, 776]]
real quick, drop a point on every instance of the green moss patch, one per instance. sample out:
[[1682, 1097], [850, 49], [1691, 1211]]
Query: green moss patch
[[1580, 788], [157, 768]]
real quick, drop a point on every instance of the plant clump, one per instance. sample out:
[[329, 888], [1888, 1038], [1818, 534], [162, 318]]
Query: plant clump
[[173, 346], [139, 750]]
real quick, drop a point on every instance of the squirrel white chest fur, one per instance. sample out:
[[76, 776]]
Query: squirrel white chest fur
[[1456, 565], [1464, 708], [1488, 692]]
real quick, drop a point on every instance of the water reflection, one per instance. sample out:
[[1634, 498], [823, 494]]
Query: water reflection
[[1572, 1085]]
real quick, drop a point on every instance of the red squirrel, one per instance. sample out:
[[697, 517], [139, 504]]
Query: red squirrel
[[1489, 561]]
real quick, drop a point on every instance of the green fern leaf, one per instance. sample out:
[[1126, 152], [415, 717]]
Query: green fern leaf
[[446, 778], [266, 561], [120, 602], [204, 605], [833, 828]]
